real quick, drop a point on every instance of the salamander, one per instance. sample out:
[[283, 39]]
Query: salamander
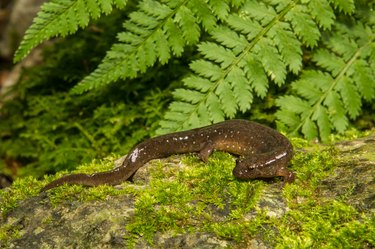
[[262, 153]]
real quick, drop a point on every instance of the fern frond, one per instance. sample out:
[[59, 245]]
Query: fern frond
[[241, 88], [259, 42], [216, 113], [257, 77], [153, 32], [271, 60], [322, 12], [206, 69], [198, 83], [204, 14], [364, 78], [329, 61], [304, 25], [227, 99], [189, 95], [61, 18], [219, 7], [346, 6], [187, 20], [216, 53], [330, 99], [289, 46], [336, 111]]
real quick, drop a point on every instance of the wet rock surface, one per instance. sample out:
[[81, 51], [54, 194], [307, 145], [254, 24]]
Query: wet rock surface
[[354, 177]]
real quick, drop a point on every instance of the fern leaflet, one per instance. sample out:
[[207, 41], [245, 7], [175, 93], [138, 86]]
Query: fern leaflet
[[63, 17]]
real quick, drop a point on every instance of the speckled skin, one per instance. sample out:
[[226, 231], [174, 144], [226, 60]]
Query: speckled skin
[[263, 152]]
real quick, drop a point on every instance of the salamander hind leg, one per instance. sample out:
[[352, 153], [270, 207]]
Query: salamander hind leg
[[255, 167]]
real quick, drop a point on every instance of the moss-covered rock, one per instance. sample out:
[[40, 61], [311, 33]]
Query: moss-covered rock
[[180, 202]]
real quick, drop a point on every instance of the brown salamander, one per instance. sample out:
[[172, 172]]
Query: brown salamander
[[263, 152]]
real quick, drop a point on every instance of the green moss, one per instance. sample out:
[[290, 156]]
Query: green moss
[[331, 224], [314, 221], [191, 200], [313, 164], [9, 199], [83, 194], [9, 232], [199, 197], [20, 190], [349, 134]]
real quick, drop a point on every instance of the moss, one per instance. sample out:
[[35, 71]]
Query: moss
[[314, 221], [81, 193], [331, 224], [349, 134], [20, 190], [9, 232], [199, 197], [190, 200]]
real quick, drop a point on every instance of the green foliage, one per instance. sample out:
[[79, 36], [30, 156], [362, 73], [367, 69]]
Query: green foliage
[[327, 97], [153, 32], [63, 17], [100, 129], [44, 129], [331, 224], [319, 52]]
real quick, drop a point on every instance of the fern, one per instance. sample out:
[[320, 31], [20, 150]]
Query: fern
[[257, 44], [154, 32], [327, 98], [63, 17]]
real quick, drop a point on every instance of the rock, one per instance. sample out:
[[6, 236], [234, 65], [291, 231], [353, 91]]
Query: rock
[[102, 223], [15, 22], [354, 179], [5, 181]]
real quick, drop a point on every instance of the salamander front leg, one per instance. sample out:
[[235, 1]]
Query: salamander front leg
[[206, 151]]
